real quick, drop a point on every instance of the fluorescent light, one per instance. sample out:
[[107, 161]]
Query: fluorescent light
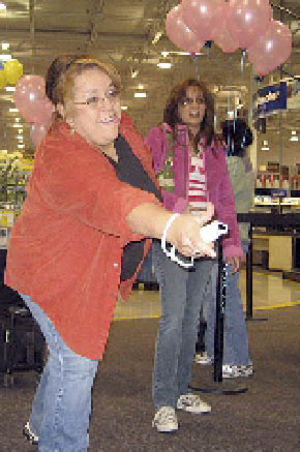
[[164, 65], [13, 110], [124, 107], [21, 146], [157, 37], [10, 89], [265, 146], [5, 45], [294, 136], [18, 120], [20, 137], [140, 94], [140, 86], [134, 73], [164, 53], [4, 57], [2, 6]]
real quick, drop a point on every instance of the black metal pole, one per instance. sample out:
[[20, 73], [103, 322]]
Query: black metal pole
[[220, 310], [249, 277]]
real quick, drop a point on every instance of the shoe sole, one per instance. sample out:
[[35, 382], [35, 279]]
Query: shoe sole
[[195, 412], [165, 430]]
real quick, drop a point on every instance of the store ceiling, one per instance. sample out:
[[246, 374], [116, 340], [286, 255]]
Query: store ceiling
[[122, 32]]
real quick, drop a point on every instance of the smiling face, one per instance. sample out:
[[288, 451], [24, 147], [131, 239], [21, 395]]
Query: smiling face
[[191, 108], [93, 107]]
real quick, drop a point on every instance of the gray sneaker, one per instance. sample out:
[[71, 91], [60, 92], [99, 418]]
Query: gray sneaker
[[165, 420], [234, 371], [193, 404]]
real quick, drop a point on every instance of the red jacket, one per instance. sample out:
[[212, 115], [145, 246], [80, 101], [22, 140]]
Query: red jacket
[[66, 246]]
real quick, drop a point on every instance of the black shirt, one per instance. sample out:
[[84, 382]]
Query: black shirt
[[130, 170]]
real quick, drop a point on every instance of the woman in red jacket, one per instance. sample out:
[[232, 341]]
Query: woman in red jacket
[[91, 201], [189, 161]]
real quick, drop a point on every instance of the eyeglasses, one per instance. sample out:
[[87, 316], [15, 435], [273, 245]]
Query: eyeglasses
[[111, 95], [184, 101]]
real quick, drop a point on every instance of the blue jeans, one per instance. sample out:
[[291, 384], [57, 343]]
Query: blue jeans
[[182, 296], [62, 404], [235, 330]]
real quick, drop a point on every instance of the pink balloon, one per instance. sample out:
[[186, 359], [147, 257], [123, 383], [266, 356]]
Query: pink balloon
[[30, 98], [203, 16], [222, 37], [248, 20], [179, 33], [38, 132], [272, 49]]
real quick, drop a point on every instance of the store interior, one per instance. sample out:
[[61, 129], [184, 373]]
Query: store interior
[[131, 34]]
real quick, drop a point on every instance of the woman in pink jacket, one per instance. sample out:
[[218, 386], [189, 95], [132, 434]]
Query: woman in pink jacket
[[190, 164]]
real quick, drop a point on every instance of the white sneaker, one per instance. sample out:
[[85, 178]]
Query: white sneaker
[[165, 420], [203, 358], [235, 371], [193, 404]]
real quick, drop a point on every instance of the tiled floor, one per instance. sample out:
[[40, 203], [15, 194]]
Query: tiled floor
[[269, 291]]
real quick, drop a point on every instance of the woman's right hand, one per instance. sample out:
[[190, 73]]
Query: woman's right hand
[[185, 235]]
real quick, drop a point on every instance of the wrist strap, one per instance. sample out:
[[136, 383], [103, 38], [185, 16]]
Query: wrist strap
[[166, 230], [172, 252]]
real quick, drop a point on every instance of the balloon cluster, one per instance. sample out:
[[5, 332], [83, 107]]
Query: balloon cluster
[[10, 72], [34, 106], [232, 24]]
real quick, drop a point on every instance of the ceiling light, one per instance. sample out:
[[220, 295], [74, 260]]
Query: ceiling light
[[5, 45], [124, 107], [140, 94], [20, 131], [164, 53], [265, 146], [18, 120], [21, 146], [294, 136], [140, 86], [13, 110], [157, 37], [20, 137], [164, 65], [4, 57], [2, 5], [10, 89], [134, 73]]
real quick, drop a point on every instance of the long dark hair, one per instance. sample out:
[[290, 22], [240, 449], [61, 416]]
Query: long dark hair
[[171, 115]]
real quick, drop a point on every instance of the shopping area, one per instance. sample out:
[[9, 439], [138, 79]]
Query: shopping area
[[132, 35]]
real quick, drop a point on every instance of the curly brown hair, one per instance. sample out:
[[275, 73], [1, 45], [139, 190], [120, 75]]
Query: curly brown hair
[[56, 69], [171, 115]]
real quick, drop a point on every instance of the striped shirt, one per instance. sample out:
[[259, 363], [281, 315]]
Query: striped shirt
[[197, 194]]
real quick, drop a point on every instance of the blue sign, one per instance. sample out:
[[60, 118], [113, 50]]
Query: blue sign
[[269, 99]]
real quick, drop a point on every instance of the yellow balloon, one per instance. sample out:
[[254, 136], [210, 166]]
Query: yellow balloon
[[13, 70], [2, 79]]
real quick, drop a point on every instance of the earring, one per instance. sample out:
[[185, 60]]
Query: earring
[[71, 124]]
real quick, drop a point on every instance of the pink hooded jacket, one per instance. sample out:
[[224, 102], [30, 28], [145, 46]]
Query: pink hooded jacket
[[219, 187]]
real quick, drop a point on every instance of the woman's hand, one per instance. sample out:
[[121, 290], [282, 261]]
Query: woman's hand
[[184, 234], [234, 262]]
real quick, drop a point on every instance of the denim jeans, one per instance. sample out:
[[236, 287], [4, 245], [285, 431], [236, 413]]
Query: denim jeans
[[235, 330], [62, 403], [182, 295]]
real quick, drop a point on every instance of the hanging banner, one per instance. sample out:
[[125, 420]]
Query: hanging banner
[[269, 99]]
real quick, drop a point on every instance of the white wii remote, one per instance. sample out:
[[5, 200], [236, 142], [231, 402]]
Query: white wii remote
[[212, 231]]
